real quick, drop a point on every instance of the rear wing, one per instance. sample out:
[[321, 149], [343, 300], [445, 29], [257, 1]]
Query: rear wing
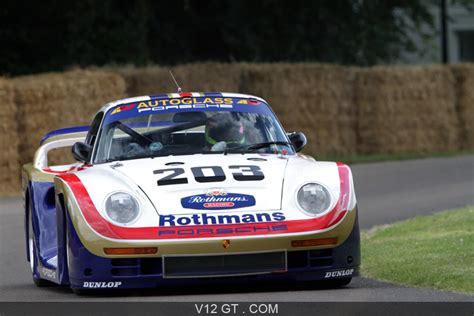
[[65, 132], [65, 137]]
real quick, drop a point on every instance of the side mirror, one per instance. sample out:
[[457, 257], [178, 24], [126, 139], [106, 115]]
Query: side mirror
[[81, 152], [298, 139]]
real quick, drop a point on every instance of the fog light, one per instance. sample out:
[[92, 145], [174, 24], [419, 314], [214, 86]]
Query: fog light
[[131, 251]]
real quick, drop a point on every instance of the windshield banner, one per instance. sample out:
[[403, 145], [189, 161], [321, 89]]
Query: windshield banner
[[186, 104]]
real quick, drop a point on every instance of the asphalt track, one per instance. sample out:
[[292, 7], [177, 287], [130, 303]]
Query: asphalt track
[[387, 192]]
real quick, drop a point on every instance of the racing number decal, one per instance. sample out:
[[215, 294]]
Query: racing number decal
[[171, 179], [247, 173], [256, 173], [200, 177]]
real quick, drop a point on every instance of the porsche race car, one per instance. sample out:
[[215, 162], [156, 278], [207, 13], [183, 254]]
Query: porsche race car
[[187, 188]]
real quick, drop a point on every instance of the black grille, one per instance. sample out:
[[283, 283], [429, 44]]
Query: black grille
[[310, 258], [320, 258], [151, 266], [124, 262], [297, 259], [224, 265], [136, 266]]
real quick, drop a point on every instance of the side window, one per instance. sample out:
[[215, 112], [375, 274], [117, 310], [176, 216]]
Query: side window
[[92, 135]]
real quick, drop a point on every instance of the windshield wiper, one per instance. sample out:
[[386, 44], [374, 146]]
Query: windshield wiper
[[253, 147]]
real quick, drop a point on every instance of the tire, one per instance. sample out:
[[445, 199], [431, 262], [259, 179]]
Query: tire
[[33, 255]]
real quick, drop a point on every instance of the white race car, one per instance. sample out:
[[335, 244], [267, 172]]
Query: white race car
[[188, 188]]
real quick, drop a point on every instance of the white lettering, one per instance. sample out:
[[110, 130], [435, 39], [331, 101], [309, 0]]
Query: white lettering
[[101, 285], [339, 273]]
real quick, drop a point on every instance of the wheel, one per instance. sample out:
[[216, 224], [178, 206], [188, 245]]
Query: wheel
[[32, 254]]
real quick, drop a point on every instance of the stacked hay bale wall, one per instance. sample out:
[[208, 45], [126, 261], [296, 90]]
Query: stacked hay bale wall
[[51, 101], [9, 161], [210, 77], [406, 110], [464, 75], [145, 81], [315, 99]]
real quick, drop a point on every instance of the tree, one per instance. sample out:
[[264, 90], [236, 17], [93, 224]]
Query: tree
[[56, 34]]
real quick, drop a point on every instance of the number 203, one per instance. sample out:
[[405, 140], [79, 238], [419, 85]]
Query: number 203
[[240, 173]]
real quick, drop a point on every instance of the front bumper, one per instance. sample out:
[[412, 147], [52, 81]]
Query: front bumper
[[89, 271]]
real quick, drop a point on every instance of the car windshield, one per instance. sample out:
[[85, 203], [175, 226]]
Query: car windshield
[[190, 132]]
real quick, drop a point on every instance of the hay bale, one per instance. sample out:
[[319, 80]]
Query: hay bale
[[464, 74], [60, 156], [313, 98], [217, 77], [9, 161], [55, 100], [198, 77], [406, 110], [146, 81]]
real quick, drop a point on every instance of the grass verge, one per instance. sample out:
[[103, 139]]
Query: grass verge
[[435, 251], [359, 158]]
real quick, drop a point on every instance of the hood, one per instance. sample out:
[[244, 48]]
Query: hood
[[212, 182]]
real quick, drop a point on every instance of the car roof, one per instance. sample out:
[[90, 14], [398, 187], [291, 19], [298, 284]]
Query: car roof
[[112, 104]]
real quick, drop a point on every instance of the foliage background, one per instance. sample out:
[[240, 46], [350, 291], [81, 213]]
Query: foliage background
[[49, 35]]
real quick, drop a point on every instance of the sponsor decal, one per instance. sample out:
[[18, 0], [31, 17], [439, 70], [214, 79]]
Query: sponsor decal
[[249, 101], [207, 219], [49, 273], [217, 199], [339, 273], [186, 103], [123, 108], [183, 231], [101, 285]]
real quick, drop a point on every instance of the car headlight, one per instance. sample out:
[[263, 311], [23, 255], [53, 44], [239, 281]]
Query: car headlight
[[313, 198], [122, 208]]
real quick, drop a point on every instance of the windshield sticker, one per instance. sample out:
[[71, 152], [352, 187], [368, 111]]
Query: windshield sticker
[[184, 103], [179, 104], [123, 108]]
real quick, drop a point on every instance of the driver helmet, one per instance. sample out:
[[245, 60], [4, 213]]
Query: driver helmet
[[223, 127]]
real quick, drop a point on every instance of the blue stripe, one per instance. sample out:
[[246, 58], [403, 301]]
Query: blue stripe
[[68, 130], [159, 96], [213, 94]]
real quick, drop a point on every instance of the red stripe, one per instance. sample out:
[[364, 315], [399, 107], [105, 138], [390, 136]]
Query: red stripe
[[186, 94], [107, 229], [71, 169], [49, 170]]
